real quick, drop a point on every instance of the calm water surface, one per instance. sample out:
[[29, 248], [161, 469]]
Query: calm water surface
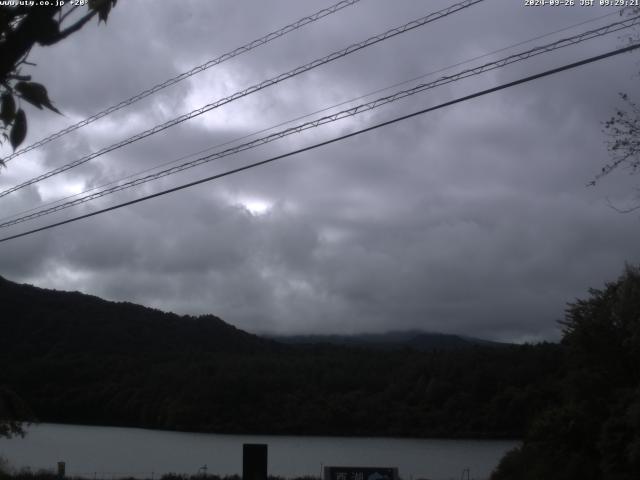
[[108, 452]]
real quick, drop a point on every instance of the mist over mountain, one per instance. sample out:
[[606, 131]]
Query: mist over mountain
[[77, 321], [414, 339]]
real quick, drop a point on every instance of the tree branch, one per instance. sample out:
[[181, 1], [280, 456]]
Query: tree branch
[[75, 27], [622, 210], [67, 13], [24, 78], [18, 42]]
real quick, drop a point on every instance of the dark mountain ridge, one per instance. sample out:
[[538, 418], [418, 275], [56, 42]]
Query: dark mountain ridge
[[76, 321], [42, 319]]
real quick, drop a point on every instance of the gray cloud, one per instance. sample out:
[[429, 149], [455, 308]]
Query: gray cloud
[[474, 219]]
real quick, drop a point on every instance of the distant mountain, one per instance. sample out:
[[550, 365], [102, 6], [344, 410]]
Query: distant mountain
[[414, 339], [44, 320]]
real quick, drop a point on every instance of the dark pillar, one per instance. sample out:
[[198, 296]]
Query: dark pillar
[[61, 470], [254, 461]]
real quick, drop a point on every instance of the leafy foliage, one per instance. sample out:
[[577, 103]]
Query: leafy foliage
[[18, 128], [4, 468], [12, 410], [50, 475], [623, 130], [593, 432], [21, 28], [36, 94]]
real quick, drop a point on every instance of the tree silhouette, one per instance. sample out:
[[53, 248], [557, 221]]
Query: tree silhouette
[[593, 431], [22, 27], [13, 412], [623, 131]]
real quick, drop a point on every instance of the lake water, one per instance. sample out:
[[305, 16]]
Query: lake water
[[109, 453]]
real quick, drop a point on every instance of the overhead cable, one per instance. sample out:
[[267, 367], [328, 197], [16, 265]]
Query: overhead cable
[[195, 70], [330, 141], [301, 117], [255, 88], [358, 109]]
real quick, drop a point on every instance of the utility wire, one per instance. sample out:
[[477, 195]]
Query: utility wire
[[178, 78], [249, 135], [518, 57], [255, 88], [333, 140]]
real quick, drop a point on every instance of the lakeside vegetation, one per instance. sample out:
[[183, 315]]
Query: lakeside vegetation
[[7, 474], [592, 431], [478, 393]]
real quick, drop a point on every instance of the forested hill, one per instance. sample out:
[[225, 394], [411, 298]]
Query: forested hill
[[34, 319], [72, 321], [74, 358]]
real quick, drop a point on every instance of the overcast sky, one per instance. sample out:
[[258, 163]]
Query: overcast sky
[[474, 219]]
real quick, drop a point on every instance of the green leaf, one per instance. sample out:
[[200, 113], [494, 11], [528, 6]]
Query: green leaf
[[8, 109], [19, 129], [36, 94]]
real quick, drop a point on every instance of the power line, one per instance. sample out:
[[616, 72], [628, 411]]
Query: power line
[[614, 27], [255, 88], [178, 78], [333, 140], [243, 137]]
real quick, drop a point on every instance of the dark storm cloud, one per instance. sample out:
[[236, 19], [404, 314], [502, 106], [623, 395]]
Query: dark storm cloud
[[474, 219]]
